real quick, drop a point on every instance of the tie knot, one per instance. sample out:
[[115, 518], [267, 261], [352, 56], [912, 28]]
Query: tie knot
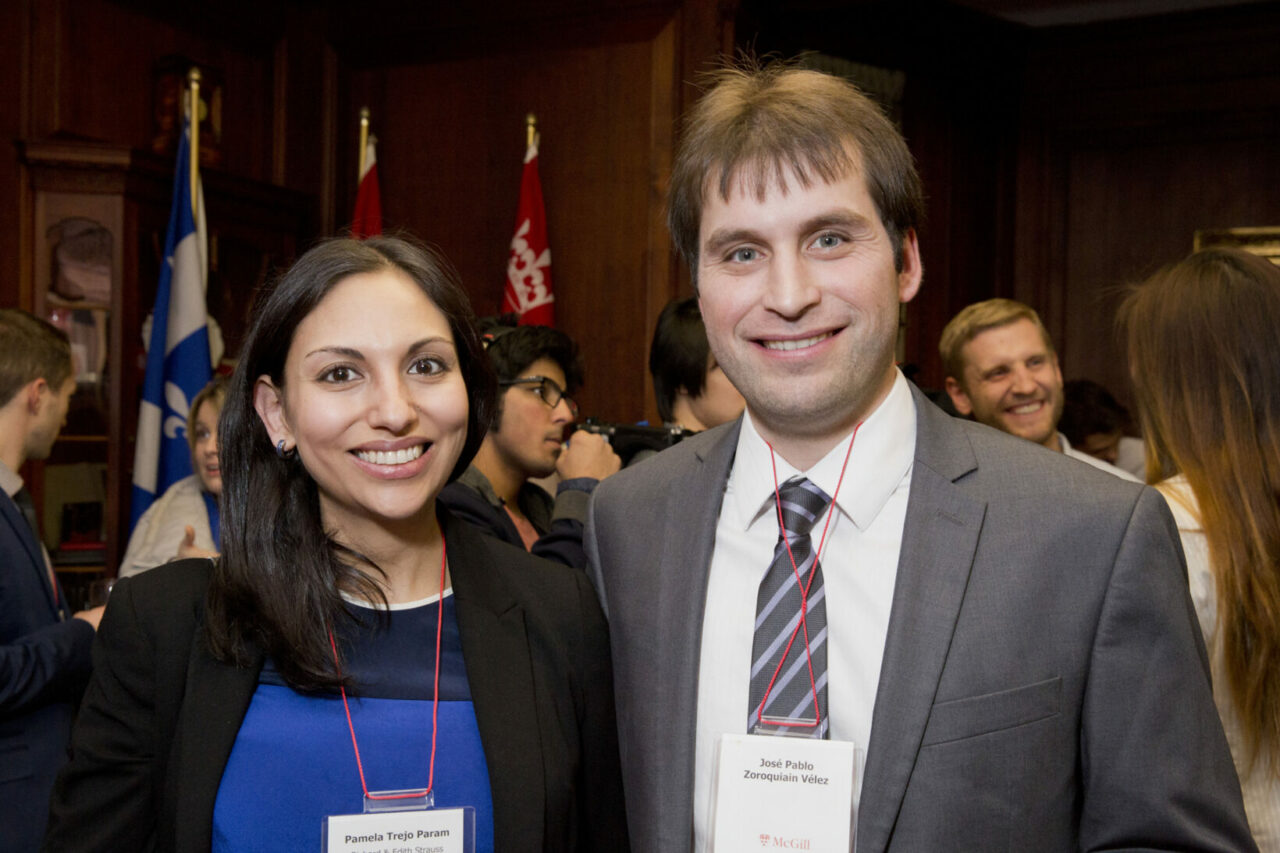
[[802, 505]]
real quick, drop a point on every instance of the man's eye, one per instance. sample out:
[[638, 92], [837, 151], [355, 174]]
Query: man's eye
[[828, 241], [744, 255]]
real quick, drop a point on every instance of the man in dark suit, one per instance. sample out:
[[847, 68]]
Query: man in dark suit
[[44, 654], [997, 640]]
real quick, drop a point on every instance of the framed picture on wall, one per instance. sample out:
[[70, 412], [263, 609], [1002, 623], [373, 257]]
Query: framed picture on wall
[[1264, 240]]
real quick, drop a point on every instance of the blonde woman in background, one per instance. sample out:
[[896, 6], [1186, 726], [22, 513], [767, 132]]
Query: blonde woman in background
[[1202, 345], [184, 521]]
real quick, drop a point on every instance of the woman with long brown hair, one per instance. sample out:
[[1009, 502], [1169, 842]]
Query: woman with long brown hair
[[1202, 345]]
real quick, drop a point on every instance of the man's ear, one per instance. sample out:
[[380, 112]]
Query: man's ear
[[959, 398], [37, 391], [268, 402]]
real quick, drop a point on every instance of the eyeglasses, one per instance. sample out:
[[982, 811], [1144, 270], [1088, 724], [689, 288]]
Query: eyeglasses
[[547, 389]]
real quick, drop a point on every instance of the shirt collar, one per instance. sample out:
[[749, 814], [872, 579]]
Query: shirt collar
[[10, 480], [478, 481], [882, 455]]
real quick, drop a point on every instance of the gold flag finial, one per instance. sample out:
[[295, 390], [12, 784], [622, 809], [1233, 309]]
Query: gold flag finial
[[531, 129], [193, 86], [364, 142]]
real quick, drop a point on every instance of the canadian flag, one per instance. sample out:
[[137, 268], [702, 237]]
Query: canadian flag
[[528, 288], [367, 219]]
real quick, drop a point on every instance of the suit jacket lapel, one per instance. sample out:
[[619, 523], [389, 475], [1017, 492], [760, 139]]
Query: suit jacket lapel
[[24, 534], [495, 646], [690, 534], [938, 543]]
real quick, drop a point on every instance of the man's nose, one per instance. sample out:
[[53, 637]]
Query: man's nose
[[790, 288], [562, 412], [1023, 381]]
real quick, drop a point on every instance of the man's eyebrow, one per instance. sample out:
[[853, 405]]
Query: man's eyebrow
[[846, 219], [725, 237]]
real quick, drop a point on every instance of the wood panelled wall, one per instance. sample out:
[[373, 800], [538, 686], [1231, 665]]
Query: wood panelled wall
[[1058, 163], [1133, 136], [449, 89]]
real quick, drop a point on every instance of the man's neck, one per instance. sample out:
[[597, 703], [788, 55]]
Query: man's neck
[[805, 445], [506, 482], [13, 434]]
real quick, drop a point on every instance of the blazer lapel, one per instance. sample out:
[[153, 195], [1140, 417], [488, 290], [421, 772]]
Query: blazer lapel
[[689, 539], [939, 539], [495, 647], [24, 534], [213, 707]]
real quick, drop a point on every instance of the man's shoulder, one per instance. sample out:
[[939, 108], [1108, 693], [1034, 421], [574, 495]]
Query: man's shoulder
[[1008, 468], [666, 469]]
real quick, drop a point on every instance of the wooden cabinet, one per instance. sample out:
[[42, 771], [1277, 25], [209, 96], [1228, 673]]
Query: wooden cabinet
[[97, 220]]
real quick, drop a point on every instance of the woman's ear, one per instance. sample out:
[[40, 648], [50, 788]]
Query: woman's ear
[[268, 401]]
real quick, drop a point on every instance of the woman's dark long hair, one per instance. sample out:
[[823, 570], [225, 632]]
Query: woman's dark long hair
[[276, 586]]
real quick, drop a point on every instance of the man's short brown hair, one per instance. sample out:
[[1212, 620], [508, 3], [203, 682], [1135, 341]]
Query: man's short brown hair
[[757, 123], [31, 349], [976, 319]]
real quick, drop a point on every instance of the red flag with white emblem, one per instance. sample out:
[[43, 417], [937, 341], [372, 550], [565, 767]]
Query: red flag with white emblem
[[528, 288], [367, 219]]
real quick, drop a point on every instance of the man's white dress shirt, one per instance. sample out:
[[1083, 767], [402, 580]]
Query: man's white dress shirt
[[859, 566]]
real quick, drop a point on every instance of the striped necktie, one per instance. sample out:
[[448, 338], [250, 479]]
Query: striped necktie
[[781, 687]]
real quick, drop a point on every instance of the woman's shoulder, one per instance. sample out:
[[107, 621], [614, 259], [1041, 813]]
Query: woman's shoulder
[[1182, 502], [173, 589]]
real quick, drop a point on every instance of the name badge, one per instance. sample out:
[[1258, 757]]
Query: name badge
[[782, 793], [433, 831]]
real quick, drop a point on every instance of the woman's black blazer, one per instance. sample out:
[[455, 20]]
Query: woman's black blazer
[[161, 715]]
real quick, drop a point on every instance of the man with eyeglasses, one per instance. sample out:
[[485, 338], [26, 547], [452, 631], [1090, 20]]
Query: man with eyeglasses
[[537, 369]]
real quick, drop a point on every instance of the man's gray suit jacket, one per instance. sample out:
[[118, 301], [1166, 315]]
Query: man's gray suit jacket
[[1044, 685]]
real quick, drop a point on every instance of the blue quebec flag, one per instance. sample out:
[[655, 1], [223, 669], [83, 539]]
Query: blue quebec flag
[[178, 357]]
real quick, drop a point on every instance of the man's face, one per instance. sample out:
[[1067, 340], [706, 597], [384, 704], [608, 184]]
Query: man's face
[[530, 434], [800, 296], [50, 418], [1012, 382]]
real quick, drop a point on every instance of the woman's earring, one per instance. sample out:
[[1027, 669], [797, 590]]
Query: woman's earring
[[281, 452]]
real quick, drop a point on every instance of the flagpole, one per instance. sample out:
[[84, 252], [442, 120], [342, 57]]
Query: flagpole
[[531, 129], [364, 142], [193, 85]]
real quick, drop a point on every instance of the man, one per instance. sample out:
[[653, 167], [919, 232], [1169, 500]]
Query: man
[[44, 655], [1008, 637], [537, 370], [1002, 370], [691, 389]]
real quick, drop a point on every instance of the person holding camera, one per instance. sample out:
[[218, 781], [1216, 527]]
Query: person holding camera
[[537, 368]]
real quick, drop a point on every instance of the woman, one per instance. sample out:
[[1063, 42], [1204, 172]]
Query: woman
[[184, 521], [362, 389], [1201, 338]]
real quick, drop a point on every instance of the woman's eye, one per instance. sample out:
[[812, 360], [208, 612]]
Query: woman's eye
[[338, 373], [427, 366]]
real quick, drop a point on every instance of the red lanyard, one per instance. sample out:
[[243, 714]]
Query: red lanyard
[[804, 591], [435, 704]]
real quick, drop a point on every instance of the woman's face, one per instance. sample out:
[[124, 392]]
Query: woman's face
[[204, 446], [373, 401]]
